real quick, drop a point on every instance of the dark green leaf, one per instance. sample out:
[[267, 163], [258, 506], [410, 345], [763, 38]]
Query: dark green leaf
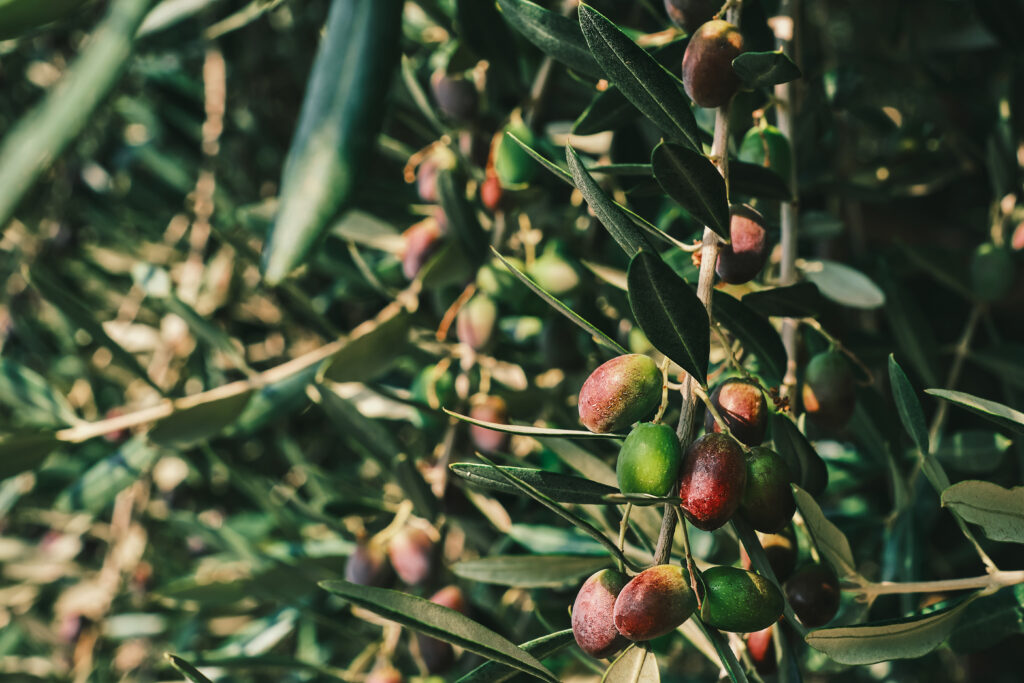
[[551, 166], [644, 82], [802, 300], [597, 335], [189, 671], [541, 539], [441, 623], [461, 219], [755, 333], [557, 36], [694, 183], [670, 314], [97, 488], [972, 450], [799, 454], [20, 452], [907, 405], [528, 430], [545, 646], [608, 110], [193, 422], [1002, 415], [336, 133], [34, 402], [765, 69], [898, 639], [622, 229], [988, 620], [530, 571], [562, 488], [370, 350], [999, 511], [754, 180]]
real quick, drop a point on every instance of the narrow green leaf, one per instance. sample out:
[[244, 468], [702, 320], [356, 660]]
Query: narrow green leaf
[[754, 180], [551, 166], [528, 430], [844, 285], [545, 646], [191, 423], [556, 36], [607, 111], [562, 488], [529, 571], [25, 451], [908, 407], [336, 133], [755, 333], [669, 313], [461, 219], [802, 300], [40, 135], [999, 511], [186, 669], [1002, 415], [637, 664], [989, 620], [541, 539], [556, 303], [100, 484], [694, 183], [799, 454], [882, 641], [34, 401], [370, 350], [440, 623], [828, 539], [765, 69], [640, 78], [612, 218], [569, 517], [975, 451]]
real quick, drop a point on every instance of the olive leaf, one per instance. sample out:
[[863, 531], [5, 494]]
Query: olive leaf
[[528, 430], [802, 300], [1003, 415], [545, 646], [754, 180], [441, 623], [828, 539], [563, 488], [905, 638], [765, 69], [190, 672], [694, 183], [670, 314], [557, 36], [530, 571], [756, 334], [999, 511], [640, 78]]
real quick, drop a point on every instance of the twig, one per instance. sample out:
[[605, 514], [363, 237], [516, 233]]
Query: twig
[[963, 347]]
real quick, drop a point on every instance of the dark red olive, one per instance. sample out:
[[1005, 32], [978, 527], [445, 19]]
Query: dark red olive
[[654, 602], [708, 76], [813, 592], [592, 623], [741, 404], [368, 566], [712, 480], [743, 258], [411, 552]]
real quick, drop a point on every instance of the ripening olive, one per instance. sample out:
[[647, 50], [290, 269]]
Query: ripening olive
[[411, 552], [489, 409], [741, 404], [620, 392], [592, 622], [829, 395], [654, 602], [456, 96], [767, 502], [708, 76], [367, 566], [813, 592], [491, 193], [743, 258], [738, 600], [420, 242], [649, 460], [712, 479], [475, 322]]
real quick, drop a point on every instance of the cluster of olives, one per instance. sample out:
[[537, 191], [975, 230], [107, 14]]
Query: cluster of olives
[[411, 554], [722, 473]]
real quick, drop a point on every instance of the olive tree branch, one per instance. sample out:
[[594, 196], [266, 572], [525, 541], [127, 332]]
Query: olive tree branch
[[710, 245]]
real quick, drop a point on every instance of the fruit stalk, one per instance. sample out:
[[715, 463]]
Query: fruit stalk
[[784, 34], [705, 281]]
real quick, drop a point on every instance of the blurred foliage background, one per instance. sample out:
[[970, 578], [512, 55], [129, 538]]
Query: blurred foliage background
[[131, 275]]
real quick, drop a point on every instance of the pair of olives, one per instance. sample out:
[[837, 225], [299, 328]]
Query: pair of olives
[[611, 609]]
